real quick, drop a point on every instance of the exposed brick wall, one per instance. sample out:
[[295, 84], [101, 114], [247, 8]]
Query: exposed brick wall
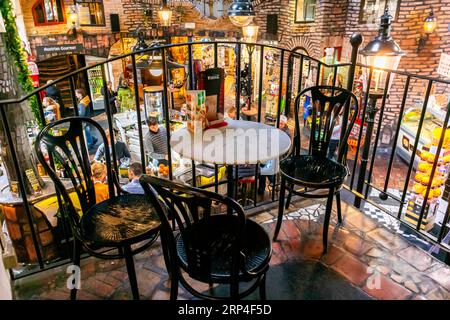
[[110, 6], [98, 40], [406, 30], [185, 12], [337, 20], [326, 30]]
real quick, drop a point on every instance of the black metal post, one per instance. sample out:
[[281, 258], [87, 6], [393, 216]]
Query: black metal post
[[372, 110], [250, 49], [138, 110], [355, 40]]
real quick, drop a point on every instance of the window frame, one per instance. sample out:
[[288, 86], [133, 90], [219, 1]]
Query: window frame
[[361, 13], [81, 2], [46, 23], [296, 18]]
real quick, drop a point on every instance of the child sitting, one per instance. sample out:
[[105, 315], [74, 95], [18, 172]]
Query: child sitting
[[98, 177]]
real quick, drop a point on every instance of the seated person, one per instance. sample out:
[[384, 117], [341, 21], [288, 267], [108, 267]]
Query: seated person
[[155, 141], [122, 153], [51, 110], [99, 178], [134, 173]]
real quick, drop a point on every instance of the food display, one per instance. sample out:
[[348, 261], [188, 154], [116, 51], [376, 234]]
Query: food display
[[153, 102], [424, 180], [163, 170], [433, 119]]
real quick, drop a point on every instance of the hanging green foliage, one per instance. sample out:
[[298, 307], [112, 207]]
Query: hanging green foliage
[[14, 48]]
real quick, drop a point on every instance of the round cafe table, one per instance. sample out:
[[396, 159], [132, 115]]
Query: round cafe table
[[239, 142]]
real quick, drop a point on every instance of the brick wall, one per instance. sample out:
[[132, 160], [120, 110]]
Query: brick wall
[[98, 40], [185, 12], [110, 6], [326, 30], [406, 30]]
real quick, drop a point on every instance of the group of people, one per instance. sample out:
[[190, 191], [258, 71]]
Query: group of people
[[54, 107], [99, 177], [155, 140]]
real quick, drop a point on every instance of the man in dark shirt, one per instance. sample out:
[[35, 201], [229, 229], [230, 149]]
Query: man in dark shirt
[[155, 141], [122, 153]]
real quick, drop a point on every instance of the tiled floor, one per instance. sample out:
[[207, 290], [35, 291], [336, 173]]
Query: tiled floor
[[365, 260]]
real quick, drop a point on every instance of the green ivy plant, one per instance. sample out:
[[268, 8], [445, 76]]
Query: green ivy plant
[[14, 48]]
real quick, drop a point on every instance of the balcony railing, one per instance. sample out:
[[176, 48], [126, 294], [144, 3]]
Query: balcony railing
[[293, 72]]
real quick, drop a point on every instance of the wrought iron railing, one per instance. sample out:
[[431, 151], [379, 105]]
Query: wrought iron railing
[[289, 63]]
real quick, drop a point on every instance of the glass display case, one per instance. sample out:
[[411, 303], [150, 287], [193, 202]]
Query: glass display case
[[434, 118], [153, 102]]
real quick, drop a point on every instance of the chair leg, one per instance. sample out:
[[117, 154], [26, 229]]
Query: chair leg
[[174, 286], [326, 222], [262, 288], [280, 208], [166, 256], [131, 272], [338, 205], [289, 197], [76, 262], [234, 289]]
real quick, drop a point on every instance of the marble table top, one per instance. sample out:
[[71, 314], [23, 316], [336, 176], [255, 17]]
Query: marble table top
[[240, 142]]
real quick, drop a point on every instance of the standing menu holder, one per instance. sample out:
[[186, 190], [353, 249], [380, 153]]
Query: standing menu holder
[[202, 111], [212, 81]]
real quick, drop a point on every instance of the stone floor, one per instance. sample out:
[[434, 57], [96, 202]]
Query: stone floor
[[364, 261]]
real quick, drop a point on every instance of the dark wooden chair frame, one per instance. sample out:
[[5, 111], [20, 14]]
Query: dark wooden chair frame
[[84, 188], [320, 135], [181, 203]]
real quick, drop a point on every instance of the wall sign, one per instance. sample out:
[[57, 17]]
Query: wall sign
[[62, 49]]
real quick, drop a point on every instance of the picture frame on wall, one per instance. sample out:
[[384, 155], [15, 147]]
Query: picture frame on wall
[[305, 11], [371, 10]]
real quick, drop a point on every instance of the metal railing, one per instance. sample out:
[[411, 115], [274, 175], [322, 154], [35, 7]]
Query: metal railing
[[289, 63]]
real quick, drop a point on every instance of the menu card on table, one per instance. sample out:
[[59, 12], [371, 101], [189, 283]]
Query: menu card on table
[[202, 111]]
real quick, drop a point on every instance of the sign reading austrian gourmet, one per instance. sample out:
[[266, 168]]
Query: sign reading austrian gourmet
[[61, 48]]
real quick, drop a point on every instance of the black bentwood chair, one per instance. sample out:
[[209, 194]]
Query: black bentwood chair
[[116, 223], [223, 248], [318, 176]]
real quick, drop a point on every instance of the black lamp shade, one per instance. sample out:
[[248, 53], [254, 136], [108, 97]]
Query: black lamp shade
[[382, 53], [383, 44]]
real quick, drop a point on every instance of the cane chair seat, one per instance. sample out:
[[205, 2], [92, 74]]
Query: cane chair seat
[[313, 171], [126, 218]]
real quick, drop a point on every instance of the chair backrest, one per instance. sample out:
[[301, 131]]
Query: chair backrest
[[192, 207], [65, 145], [328, 104]]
